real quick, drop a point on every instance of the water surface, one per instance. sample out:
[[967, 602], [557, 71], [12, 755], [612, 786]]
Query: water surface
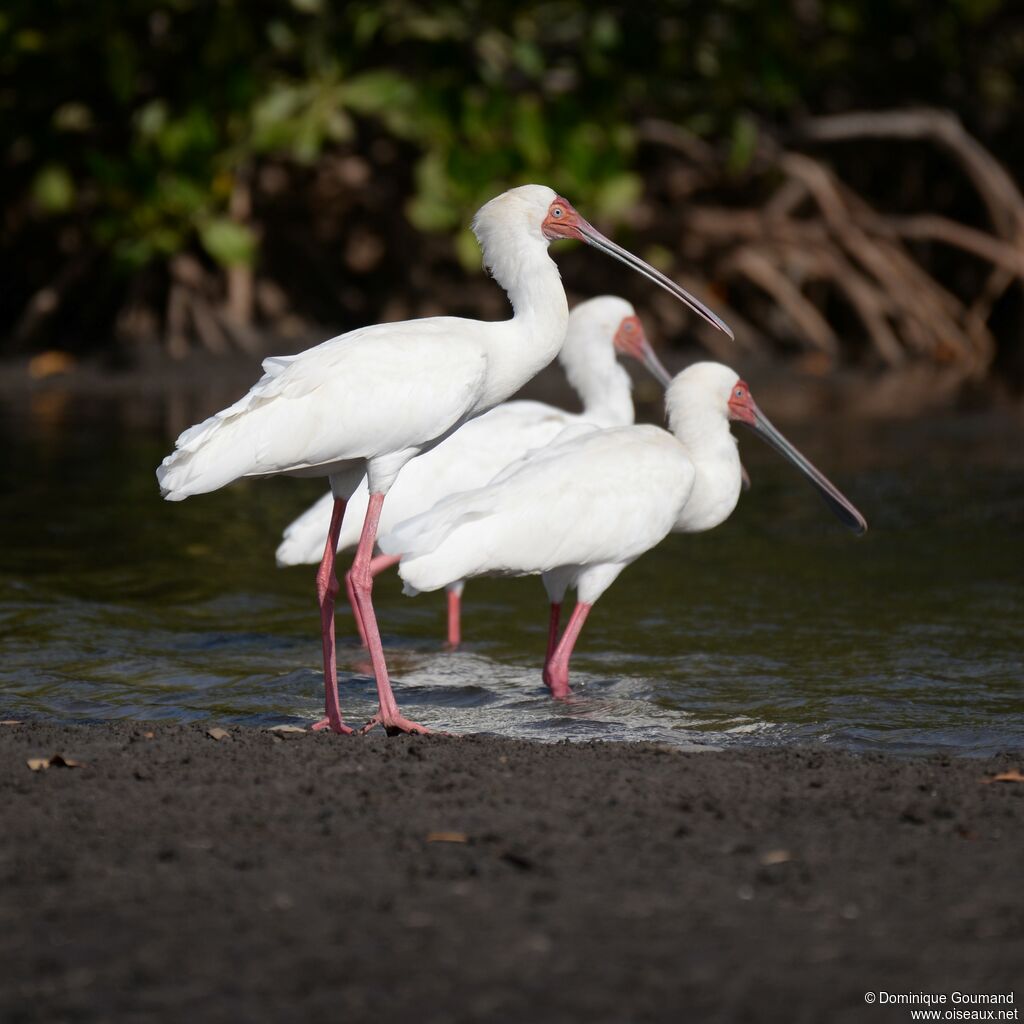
[[777, 627]]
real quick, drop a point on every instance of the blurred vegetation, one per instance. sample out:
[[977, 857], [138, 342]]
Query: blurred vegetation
[[137, 133]]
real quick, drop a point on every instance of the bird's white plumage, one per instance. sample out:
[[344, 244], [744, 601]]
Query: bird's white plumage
[[359, 396], [378, 396], [697, 403], [582, 509], [598, 499], [480, 449]]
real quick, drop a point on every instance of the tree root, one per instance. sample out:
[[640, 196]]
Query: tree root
[[814, 238]]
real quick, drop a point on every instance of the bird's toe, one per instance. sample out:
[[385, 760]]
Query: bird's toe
[[340, 728]]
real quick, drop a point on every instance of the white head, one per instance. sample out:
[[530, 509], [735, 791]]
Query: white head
[[515, 227], [515, 214], [510, 230], [697, 400], [600, 330], [703, 399]]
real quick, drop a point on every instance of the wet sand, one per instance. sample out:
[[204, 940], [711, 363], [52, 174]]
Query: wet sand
[[272, 877]]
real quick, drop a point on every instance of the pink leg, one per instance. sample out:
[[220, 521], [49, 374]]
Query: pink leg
[[556, 615], [326, 589], [377, 566], [558, 667], [355, 608], [388, 714], [382, 562], [454, 619]]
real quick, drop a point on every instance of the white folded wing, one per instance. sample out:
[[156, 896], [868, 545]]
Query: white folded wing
[[371, 392], [601, 498], [469, 458]]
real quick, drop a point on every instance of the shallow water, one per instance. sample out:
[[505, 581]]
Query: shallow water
[[778, 626]]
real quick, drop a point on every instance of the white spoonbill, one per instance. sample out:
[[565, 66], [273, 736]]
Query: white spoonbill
[[598, 329], [369, 401], [581, 510]]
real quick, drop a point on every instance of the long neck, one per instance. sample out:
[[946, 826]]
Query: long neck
[[532, 338], [715, 457], [603, 385]]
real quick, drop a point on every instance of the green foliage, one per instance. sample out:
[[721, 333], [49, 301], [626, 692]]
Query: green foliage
[[140, 117], [229, 243], [53, 189]]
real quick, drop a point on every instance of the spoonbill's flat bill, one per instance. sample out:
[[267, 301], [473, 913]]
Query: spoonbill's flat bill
[[580, 511], [599, 329], [371, 400]]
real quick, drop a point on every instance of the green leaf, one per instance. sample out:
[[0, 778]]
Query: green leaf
[[528, 58], [467, 249], [281, 37], [604, 31], [376, 92], [133, 252], [53, 189], [151, 119], [389, 97], [617, 196], [433, 208], [660, 258], [743, 143], [228, 242], [528, 130]]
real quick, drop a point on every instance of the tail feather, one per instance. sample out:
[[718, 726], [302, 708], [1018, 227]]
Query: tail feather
[[425, 532], [211, 453], [459, 556], [203, 466], [433, 545], [303, 540]]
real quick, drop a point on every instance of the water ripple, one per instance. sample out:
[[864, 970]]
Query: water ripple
[[776, 628]]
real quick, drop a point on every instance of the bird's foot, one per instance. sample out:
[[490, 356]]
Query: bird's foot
[[559, 688], [336, 727], [395, 725], [556, 684]]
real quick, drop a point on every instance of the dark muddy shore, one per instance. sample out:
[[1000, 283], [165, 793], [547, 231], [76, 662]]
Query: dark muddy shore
[[272, 877]]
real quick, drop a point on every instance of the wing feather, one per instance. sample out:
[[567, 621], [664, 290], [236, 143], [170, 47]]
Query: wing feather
[[604, 497], [362, 395]]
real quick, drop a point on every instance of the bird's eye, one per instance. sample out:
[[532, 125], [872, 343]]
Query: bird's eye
[[556, 211], [738, 392], [628, 327]]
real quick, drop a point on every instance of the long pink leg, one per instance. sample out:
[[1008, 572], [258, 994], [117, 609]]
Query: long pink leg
[[326, 589], [377, 566], [355, 610], [556, 616], [454, 619], [558, 667], [388, 714]]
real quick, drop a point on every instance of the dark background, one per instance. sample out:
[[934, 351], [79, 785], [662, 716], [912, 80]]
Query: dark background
[[835, 177]]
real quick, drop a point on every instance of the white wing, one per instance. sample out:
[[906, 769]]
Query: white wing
[[470, 458], [368, 393], [601, 498]]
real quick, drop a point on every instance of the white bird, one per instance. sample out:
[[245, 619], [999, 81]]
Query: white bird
[[598, 329], [369, 401], [580, 511]]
